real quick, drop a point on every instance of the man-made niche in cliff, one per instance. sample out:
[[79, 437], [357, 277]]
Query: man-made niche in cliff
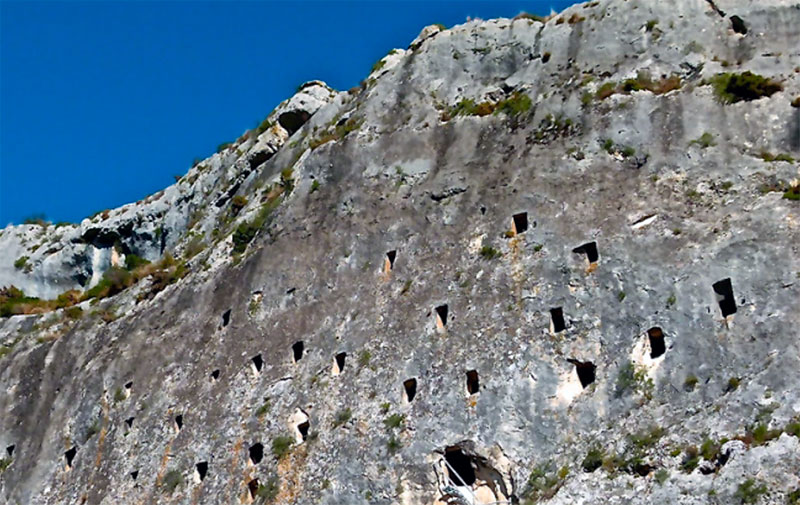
[[473, 384], [585, 370], [557, 323], [178, 424], [388, 263], [588, 249], [724, 291], [297, 350], [134, 474], [215, 375], [128, 389], [338, 363], [129, 422], [299, 420], [441, 316], [69, 456], [226, 318], [200, 471], [519, 223], [459, 467], [252, 487], [256, 364], [256, 453], [409, 390], [657, 345], [10, 450]]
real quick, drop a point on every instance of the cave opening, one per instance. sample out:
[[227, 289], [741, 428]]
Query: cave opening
[[473, 385], [256, 453], [134, 474], [724, 291], [657, 345], [338, 363], [302, 430], [226, 318], [257, 363], [201, 470], [215, 375], [388, 263], [129, 422], [590, 250], [129, 386], [252, 486], [586, 371], [69, 456], [178, 423], [557, 323], [519, 223], [409, 389], [297, 350], [459, 467], [441, 316], [10, 450]]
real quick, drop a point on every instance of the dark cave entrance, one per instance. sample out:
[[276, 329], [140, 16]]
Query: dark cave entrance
[[134, 474], [297, 350], [441, 316], [473, 384], [410, 389], [389, 263], [459, 467], [519, 223], [586, 371], [69, 456], [302, 429], [257, 363], [339, 361], [10, 450], [657, 345], [590, 250], [178, 423], [252, 486], [557, 323], [256, 453], [226, 318], [201, 469], [724, 291], [215, 375], [129, 422]]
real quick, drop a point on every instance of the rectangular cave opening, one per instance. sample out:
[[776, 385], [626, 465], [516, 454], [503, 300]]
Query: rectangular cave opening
[[226, 318], [201, 470], [409, 390], [657, 345], [473, 384], [256, 453], [257, 363], [69, 456], [459, 467], [252, 486], [590, 250], [178, 424], [297, 350], [441, 316], [134, 474], [10, 450], [519, 223], [388, 263], [586, 371], [215, 375], [338, 363], [302, 430], [557, 323], [724, 291]]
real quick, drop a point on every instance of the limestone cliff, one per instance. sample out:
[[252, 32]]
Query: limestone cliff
[[530, 260]]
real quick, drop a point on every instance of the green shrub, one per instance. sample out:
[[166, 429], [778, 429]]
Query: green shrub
[[4, 463], [393, 444], [314, 186], [651, 25], [768, 156], [661, 476], [281, 446], [92, 430], [119, 395], [544, 482], [793, 498], [518, 103], [747, 86], [263, 126], [733, 384], [21, 262], [132, 262], [593, 460], [224, 146], [172, 480], [263, 409], [704, 141], [709, 450], [691, 459], [629, 378], [114, 280], [749, 491], [342, 417], [793, 193], [37, 219], [621, 296], [269, 490], [532, 17], [489, 253], [394, 421], [238, 202], [378, 65], [364, 357]]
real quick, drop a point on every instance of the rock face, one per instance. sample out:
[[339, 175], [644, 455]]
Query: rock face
[[525, 261]]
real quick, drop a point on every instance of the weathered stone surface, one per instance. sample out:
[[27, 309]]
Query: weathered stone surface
[[631, 246]]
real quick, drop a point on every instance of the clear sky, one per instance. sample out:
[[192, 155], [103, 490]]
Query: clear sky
[[101, 103]]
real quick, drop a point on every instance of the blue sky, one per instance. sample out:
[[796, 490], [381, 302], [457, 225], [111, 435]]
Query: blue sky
[[101, 103]]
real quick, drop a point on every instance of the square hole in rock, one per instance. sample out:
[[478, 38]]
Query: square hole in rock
[[226, 317], [519, 223], [256, 453], [557, 323], [297, 350], [256, 363], [409, 390], [338, 363], [657, 345], [69, 456], [724, 291], [473, 385], [441, 316], [585, 370], [201, 469], [388, 263], [590, 250]]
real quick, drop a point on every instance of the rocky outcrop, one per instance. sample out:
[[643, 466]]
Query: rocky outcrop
[[543, 260]]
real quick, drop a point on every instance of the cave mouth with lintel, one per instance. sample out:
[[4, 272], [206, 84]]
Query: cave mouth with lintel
[[297, 350], [657, 344], [588, 249], [520, 222], [586, 371], [256, 453], [557, 323], [724, 291]]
